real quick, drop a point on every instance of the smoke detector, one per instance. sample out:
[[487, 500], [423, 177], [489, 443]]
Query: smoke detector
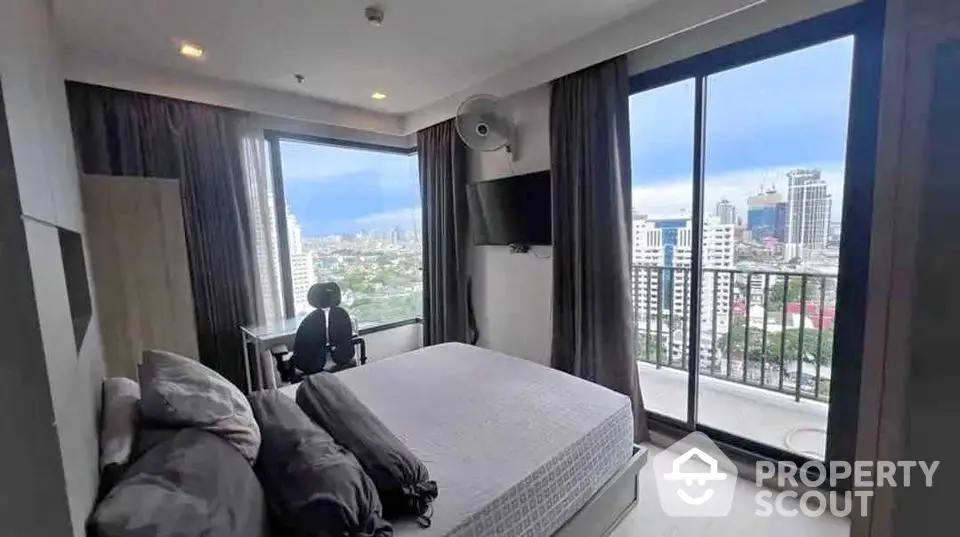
[[374, 15]]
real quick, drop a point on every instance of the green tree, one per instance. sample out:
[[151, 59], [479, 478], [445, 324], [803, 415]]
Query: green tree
[[789, 339]]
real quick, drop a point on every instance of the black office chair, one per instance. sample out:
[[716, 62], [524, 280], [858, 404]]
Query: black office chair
[[328, 331]]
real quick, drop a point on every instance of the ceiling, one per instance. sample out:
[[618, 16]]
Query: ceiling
[[426, 49]]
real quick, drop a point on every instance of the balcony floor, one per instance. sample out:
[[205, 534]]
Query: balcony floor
[[760, 415]]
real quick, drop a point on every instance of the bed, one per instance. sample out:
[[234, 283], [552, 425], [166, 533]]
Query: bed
[[516, 448]]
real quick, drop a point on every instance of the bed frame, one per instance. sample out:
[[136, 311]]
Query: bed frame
[[608, 507]]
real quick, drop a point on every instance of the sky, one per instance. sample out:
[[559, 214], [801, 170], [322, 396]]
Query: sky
[[333, 190], [763, 120]]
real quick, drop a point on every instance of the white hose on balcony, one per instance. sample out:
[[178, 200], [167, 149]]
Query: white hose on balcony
[[788, 440]]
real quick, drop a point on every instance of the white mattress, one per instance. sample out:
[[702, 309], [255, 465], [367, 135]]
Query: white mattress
[[516, 448]]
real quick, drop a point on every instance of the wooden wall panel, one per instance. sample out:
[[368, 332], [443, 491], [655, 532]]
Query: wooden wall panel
[[139, 259]]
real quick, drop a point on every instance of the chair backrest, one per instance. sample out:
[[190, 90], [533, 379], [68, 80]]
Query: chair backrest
[[310, 343], [339, 324]]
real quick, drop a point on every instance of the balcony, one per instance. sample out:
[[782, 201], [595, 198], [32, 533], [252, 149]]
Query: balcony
[[765, 350]]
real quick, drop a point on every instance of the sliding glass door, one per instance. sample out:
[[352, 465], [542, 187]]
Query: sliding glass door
[[741, 250], [662, 240]]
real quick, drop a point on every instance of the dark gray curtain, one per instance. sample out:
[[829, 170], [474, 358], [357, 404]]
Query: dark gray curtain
[[443, 191], [124, 133], [590, 161]]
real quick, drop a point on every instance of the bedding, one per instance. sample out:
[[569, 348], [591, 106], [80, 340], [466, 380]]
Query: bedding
[[118, 427], [180, 392], [191, 484], [515, 448], [402, 481], [315, 487]]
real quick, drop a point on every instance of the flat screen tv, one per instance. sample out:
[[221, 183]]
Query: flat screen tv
[[515, 210]]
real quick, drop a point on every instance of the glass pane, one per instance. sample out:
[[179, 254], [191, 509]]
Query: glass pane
[[776, 138], [353, 218], [661, 138]]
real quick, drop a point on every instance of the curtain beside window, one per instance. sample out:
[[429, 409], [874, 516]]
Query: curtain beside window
[[255, 155], [124, 133], [590, 163], [443, 189]]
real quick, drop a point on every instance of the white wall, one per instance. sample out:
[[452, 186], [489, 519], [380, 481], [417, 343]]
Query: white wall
[[395, 341], [48, 456], [512, 292]]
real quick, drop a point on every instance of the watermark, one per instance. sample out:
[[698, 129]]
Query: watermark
[[695, 479], [698, 483], [864, 476]]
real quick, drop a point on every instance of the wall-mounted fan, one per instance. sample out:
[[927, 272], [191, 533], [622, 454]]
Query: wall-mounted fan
[[484, 124]]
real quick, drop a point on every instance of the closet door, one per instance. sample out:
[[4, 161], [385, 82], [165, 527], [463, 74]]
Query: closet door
[[141, 275]]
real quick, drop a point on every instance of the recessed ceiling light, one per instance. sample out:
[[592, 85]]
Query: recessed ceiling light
[[377, 96], [190, 50]]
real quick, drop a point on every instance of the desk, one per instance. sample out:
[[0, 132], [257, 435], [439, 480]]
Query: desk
[[283, 332], [263, 337]]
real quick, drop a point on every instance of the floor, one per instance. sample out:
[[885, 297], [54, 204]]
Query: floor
[[649, 520], [770, 418]]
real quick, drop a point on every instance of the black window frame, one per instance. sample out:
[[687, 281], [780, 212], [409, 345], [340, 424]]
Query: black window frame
[[865, 22], [273, 138]]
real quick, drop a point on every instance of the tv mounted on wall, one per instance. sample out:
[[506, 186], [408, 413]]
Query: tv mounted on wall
[[512, 211]]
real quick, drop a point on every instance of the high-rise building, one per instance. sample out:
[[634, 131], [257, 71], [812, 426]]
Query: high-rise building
[[301, 266], [763, 211], [808, 214], [726, 212], [780, 223], [660, 245]]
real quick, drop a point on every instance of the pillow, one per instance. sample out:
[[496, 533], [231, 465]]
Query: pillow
[[118, 426], [178, 391], [315, 487], [190, 485], [402, 480]]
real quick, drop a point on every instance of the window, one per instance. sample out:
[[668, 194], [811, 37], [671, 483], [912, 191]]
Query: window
[[740, 178], [352, 216]]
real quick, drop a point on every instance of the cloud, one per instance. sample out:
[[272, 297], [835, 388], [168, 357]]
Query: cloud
[[672, 197], [314, 162], [404, 218]]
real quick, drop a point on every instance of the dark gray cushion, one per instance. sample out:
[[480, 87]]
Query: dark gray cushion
[[402, 480], [190, 485], [315, 487], [181, 392]]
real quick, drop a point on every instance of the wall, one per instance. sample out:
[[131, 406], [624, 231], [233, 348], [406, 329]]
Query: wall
[[48, 456], [512, 292], [392, 342]]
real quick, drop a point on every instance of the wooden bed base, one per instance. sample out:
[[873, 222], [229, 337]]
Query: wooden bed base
[[607, 508]]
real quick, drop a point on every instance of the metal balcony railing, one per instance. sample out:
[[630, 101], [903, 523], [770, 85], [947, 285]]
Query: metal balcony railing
[[771, 330]]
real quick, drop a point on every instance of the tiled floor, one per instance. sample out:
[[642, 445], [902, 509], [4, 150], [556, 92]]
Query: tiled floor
[[771, 418], [649, 520]]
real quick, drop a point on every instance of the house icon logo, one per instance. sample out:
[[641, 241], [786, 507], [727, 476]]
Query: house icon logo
[[695, 479]]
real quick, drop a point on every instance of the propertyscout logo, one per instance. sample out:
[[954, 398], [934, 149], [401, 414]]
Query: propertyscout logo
[[700, 482], [695, 479]]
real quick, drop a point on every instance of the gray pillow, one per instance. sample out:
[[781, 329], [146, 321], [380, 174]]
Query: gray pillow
[[181, 392], [118, 429], [118, 426], [193, 484]]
